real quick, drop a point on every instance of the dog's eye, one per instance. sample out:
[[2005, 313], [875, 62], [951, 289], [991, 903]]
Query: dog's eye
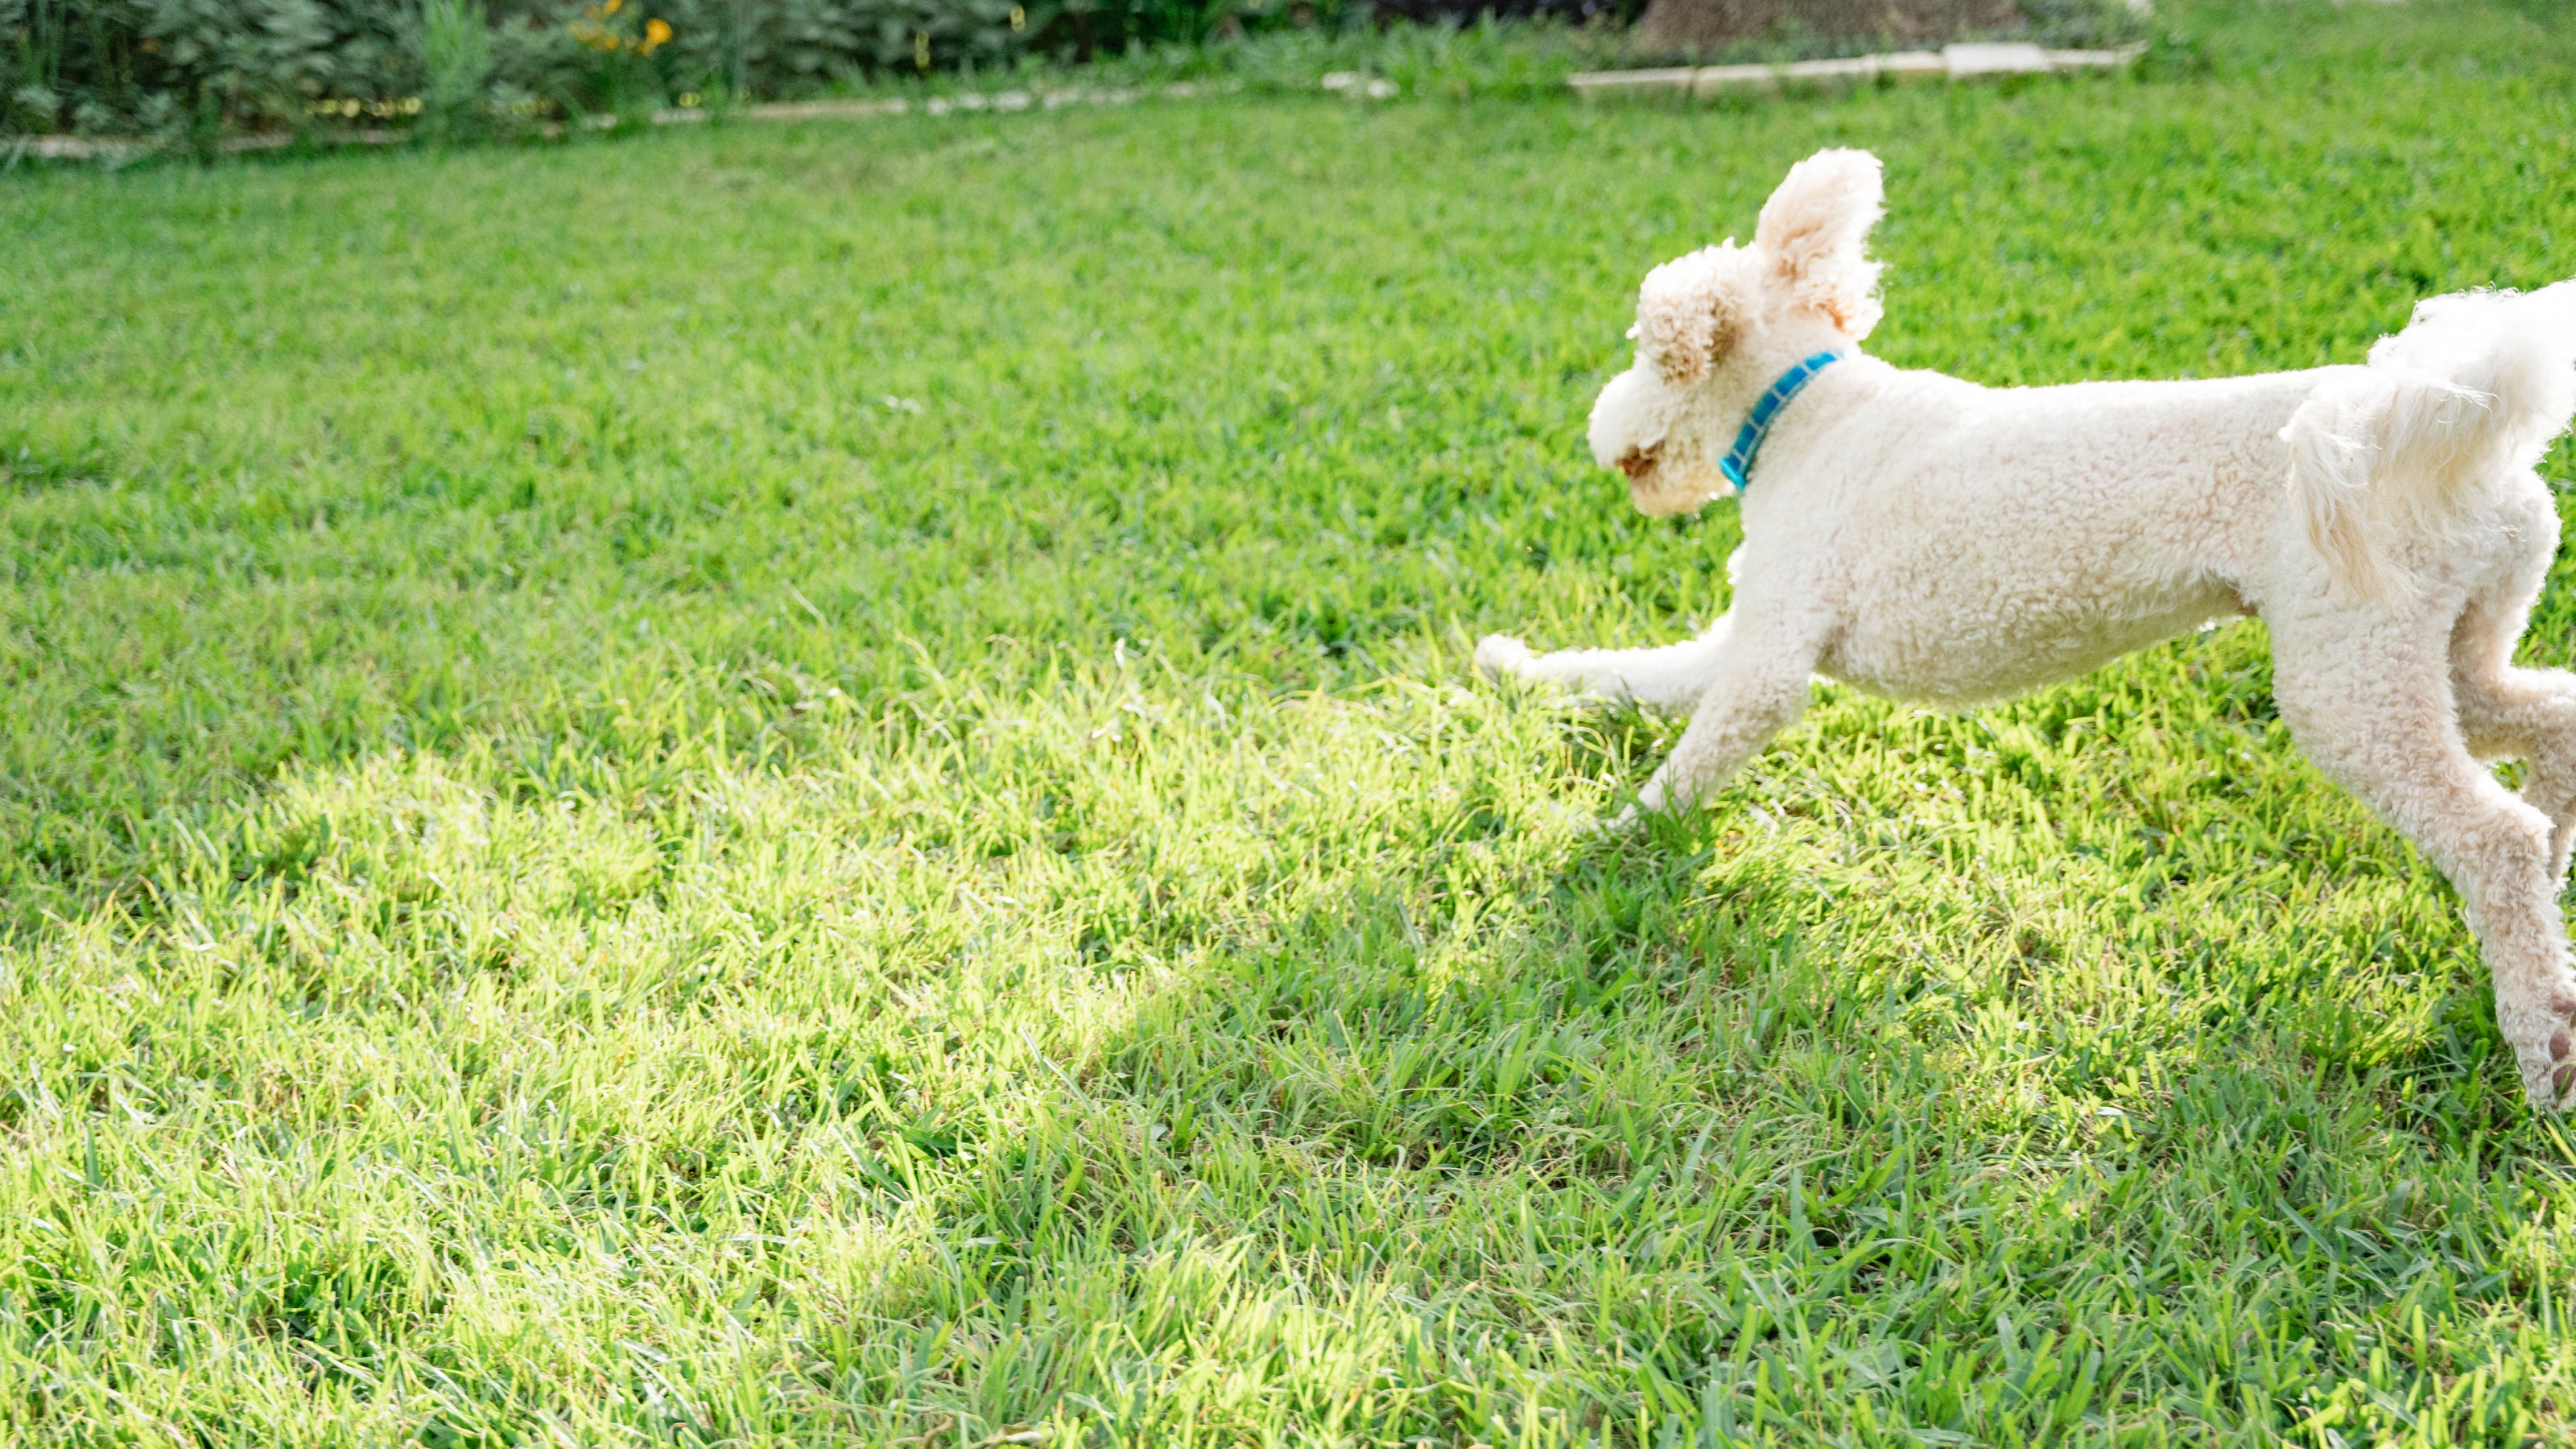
[[1637, 463]]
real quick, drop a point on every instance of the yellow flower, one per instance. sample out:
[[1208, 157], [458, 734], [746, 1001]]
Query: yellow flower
[[612, 7], [656, 30]]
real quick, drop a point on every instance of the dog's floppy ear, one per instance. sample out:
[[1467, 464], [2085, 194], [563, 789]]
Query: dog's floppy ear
[[1813, 228], [1690, 309]]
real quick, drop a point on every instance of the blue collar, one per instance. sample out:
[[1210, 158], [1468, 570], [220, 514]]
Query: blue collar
[[1737, 465]]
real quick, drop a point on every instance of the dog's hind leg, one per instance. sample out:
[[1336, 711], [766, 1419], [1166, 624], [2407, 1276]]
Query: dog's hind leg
[[2516, 713], [2530, 715], [1670, 678], [2368, 695]]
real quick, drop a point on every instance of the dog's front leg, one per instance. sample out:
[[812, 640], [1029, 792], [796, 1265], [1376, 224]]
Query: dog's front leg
[[1673, 677], [1757, 687]]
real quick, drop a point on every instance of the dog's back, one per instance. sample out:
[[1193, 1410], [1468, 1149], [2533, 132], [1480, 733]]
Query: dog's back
[[1976, 542]]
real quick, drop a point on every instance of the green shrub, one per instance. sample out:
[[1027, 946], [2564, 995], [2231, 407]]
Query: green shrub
[[248, 65], [96, 65], [456, 53], [463, 67]]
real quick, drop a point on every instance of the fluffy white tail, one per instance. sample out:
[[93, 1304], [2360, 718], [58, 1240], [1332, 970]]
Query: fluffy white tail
[[2474, 389]]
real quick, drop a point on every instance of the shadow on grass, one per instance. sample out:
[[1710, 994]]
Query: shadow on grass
[[1648, 1152]]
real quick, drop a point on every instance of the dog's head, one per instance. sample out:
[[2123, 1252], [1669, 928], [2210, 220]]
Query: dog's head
[[1702, 322]]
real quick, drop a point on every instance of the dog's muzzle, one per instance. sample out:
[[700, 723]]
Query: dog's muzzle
[[1655, 489]]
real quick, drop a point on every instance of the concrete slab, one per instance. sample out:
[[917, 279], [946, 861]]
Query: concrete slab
[[1974, 62], [1631, 82], [1954, 62]]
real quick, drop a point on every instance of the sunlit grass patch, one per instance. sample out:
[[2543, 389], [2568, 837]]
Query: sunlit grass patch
[[811, 785]]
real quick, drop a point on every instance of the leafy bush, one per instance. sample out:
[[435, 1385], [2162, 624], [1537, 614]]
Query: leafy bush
[[99, 64], [456, 51], [205, 67], [95, 65]]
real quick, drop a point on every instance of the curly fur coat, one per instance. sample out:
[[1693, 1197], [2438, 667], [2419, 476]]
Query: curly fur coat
[[1934, 540]]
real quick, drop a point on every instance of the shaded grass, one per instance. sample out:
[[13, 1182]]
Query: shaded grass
[[788, 786]]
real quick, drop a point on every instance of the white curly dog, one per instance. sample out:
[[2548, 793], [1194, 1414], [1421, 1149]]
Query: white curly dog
[[1932, 540]]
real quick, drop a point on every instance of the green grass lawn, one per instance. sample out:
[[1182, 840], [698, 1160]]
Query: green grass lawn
[[809, 785]]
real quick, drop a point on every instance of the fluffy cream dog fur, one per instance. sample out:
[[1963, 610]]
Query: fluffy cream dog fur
[[1933, 540]]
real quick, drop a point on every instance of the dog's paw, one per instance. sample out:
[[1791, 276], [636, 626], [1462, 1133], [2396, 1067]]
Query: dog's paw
[[1501, 654], [2548, 1056], [2562, 1051]]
